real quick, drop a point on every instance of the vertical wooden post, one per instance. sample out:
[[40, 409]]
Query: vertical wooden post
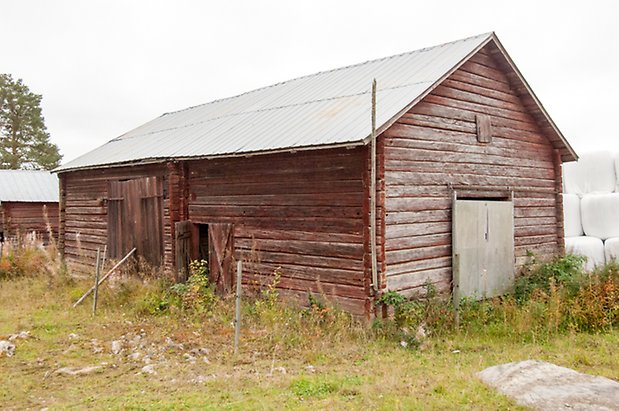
[[62, 208], [237, 322], [455, 261], [373, 192], [97, 272], [557, 163]]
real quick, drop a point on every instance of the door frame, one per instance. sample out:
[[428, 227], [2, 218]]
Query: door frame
[[479, 194]]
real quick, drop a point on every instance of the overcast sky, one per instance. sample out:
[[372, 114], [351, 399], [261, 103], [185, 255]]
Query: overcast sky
[[105, 67]]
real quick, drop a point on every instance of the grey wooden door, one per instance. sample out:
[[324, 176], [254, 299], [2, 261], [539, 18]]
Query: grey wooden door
[[483, 248]]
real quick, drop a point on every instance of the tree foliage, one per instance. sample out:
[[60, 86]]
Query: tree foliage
[[24, 140]]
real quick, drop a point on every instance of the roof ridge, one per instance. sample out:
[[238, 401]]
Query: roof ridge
[[330, 71]]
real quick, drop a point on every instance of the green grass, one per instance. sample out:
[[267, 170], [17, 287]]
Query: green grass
[[287, 359]]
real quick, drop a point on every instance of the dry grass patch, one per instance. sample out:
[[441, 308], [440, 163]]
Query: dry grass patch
[[288, 358]]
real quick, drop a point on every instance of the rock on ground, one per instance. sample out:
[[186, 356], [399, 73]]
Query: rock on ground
[[77, 371], [149, 369], [544, 386], [117, 347], [7, 348], [22, 335]]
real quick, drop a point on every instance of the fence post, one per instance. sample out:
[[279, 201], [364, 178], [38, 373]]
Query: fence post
[[237, 325], [97, 272]]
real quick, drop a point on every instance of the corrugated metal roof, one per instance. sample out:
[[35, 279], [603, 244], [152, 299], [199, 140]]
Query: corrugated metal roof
[[330, 108], [28, 186]]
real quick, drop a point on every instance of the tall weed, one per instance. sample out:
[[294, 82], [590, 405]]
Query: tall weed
[[565, 272], [29, 256], [549, 298], [194, 297]]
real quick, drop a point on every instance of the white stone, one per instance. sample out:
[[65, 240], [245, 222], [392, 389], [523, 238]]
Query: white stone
[[544, 386], [199, 351], [96, 346], [22, 335], [135, 340], [172, 345], [135, 356], [77, 371], [117, 347], [200, 379], [421, 332], [7, 348], [149, 369]]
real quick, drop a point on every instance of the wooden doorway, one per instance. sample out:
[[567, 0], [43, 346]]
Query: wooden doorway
[[135, 219], [183, 241], [215, 244], [483, 248]]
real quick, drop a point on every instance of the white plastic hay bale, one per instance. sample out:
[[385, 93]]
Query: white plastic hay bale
[[611, 249], [600, 215], [571, 215], [590, 247], [593, 173]]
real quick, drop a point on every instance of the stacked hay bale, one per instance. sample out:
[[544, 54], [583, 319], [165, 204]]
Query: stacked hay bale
[[591, 207]]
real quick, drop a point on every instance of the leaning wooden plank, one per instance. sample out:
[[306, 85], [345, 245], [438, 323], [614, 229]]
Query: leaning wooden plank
[[83, 297]]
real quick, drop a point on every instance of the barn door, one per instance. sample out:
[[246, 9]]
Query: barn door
[[483, 248], [135, 219], [183, 230], [221, 256]]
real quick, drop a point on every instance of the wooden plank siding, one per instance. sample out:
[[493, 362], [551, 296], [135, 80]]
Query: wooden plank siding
[[84, 202], [300, 213], [19, 218], [435, 144]]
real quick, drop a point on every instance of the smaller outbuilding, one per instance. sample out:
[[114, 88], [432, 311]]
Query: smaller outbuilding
[[28, 203]]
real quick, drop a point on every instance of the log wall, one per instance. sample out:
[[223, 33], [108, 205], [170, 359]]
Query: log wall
[[300, 212], [83, 211], [435, 144], [306, 214], [22, 218]]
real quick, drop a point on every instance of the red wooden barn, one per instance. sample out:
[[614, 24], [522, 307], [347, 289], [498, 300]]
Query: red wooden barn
[[28, 203], [284, 178]]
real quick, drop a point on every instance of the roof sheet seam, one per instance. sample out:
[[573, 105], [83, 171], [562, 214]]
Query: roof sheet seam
[[195, 123]]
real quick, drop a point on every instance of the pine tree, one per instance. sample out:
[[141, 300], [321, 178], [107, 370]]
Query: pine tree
[[24, 140]]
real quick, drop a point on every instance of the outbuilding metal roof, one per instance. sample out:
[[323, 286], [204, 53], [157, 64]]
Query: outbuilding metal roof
[[326, 109], [28, 186]]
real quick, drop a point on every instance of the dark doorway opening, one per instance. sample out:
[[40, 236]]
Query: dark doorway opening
[[215, 244], [202, 230]]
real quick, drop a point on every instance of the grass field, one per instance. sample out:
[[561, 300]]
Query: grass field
[[287, 358]]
